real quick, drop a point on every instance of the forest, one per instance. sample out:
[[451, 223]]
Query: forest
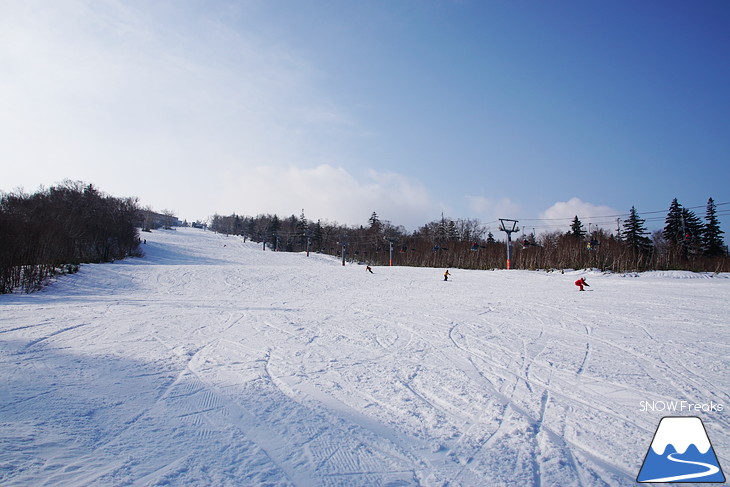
[[687, 242], [54, 230]]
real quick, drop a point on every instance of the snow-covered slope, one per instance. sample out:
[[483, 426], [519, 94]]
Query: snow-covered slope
[[212, 362]]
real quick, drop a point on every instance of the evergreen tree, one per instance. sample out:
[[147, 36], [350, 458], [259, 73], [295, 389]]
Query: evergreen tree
[[251, 228], [634, 233], [441, 230], [490, 238], [275, 224], [302, 225], [274, 227], [237, 225], [451, 232], [317, 235], [693, 232], [712, 242], [375, 224], [302, 229], [576, 228], [672, 232]]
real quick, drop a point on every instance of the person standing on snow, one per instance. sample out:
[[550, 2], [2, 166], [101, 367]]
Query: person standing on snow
[[446, 275], [581, 282]]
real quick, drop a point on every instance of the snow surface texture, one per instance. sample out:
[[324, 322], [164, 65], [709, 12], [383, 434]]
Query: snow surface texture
[[211, 362]]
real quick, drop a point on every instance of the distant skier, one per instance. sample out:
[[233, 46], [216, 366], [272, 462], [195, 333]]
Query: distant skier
[[446, 275], [369, 269], [581, 282]]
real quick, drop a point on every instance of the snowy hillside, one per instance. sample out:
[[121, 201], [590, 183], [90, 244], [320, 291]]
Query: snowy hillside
[[210, 362]]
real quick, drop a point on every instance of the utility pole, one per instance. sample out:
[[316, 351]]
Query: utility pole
[[509, 230]]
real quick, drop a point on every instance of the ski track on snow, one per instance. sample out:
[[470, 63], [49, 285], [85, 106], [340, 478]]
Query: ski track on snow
[[212, 362]]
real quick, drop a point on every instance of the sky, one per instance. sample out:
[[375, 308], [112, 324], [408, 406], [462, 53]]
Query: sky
[[534, 111]]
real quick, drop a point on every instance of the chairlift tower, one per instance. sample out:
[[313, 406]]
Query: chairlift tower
[[343, 242], [509, 230], [391, 241]]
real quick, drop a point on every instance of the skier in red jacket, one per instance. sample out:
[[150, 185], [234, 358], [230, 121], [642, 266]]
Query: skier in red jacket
[[581, 282]]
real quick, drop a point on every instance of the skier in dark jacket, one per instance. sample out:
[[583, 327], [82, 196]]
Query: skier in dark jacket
[[446, 275], [581, 282]]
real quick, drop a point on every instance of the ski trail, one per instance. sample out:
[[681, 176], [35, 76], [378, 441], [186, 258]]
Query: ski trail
[[560, 441], [585, 360], [26, 327], [50, 335], [211, 365]]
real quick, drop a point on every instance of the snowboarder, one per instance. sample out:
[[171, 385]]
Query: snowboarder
[[369, 269], [446, 275], [581, 282]]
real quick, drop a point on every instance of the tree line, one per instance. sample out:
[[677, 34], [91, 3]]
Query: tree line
[[56, 229], [686, 242]]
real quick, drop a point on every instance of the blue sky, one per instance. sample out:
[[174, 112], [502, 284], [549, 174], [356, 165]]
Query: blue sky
[[477, 109]]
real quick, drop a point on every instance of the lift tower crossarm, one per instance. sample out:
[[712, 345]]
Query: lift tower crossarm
[[509, 227]]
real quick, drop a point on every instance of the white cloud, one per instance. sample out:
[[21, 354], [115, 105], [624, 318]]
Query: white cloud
[[562, 213], [328, 193], [160, 100], [185, 109]]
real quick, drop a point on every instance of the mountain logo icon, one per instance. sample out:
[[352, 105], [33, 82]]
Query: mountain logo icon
[[680, 452]]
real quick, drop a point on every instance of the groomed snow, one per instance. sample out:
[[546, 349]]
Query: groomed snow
[[210, 362]]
